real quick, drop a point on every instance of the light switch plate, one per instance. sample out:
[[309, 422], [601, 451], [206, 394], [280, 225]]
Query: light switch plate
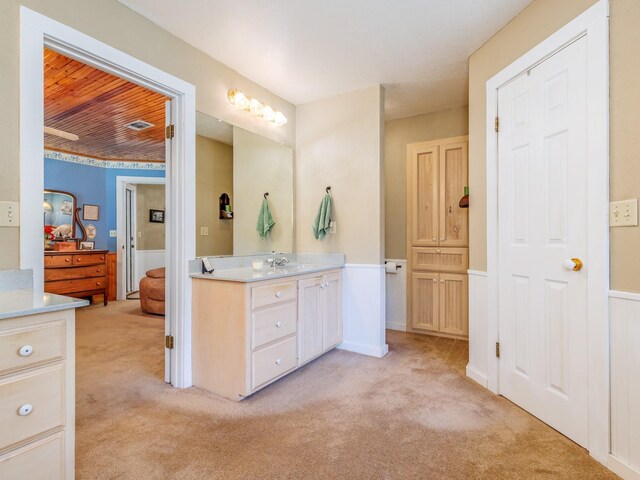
[[623, 213], [9, 214], [113, 233], [204, 230], [139, 234]]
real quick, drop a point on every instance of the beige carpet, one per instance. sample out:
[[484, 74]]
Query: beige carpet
[[410, 415]]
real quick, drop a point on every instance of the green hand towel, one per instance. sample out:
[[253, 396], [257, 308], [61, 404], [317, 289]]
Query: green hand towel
[[323, 218], [265, 220]]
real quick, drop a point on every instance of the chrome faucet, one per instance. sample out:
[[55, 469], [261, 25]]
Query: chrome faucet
[[278, 262]]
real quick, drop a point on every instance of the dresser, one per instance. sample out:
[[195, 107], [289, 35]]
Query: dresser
[[77, 273]]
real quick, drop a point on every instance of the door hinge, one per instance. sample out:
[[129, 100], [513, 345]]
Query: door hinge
[[497, 124], [168, 342], [169, 131], [498, 349]]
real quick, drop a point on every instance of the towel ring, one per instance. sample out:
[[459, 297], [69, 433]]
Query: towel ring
[[327, 189], [266, 194]]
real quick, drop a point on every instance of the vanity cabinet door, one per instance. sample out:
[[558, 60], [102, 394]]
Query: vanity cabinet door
[[310, 326], [332, 289]]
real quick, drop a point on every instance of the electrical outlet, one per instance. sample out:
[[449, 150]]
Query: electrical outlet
[[9, 214], [113, 233], [623, 213], [332, 227], [204, 230]]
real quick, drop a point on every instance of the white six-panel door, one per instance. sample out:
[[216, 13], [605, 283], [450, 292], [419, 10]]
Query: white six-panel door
[[542, 225]]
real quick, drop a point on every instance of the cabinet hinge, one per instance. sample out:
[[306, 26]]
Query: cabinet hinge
[[498, 349], [169, 131], [497, 124], [168, 342]]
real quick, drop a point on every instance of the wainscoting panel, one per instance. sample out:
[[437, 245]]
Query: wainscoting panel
[[396, 297], [478, 342], [146, 260], [624, 314]]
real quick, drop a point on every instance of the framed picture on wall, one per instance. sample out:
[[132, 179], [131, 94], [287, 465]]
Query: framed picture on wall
[[156, 216], [90, 212], [87, 245]]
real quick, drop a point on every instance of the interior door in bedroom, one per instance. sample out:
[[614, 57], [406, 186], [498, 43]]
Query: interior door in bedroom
[[542, 226]]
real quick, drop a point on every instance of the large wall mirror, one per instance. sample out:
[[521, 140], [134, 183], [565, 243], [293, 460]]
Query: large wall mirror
[[60, 216], [236, 171]]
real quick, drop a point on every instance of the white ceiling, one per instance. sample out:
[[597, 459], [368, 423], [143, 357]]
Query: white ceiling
[[306, 50]]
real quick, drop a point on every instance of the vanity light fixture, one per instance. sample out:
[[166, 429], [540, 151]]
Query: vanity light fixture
[[241, 101]]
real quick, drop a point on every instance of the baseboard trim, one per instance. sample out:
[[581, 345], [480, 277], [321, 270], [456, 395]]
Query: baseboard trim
[[625, 470], [476, 376], [364, 349], [398, 326]]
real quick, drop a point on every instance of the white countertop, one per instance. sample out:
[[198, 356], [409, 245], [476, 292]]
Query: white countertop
[[17, 303], [248, 274]]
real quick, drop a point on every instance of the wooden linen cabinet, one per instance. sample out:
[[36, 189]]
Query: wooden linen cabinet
[[437, 238]]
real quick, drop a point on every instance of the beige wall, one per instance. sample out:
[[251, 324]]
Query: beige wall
[[339, 143], [151, 235], [538, 21], [261, 165], [214, 176], [397, 134], [120, 27]]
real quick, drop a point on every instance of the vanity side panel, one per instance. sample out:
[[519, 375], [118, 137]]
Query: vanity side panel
[[219, 337]]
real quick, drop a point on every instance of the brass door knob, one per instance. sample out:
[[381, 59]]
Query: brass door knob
[[574, 264]]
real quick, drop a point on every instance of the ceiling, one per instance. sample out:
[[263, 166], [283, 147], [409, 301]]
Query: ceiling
[[96, 106], [306, 50]]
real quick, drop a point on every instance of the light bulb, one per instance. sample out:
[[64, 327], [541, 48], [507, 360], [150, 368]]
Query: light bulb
[[279, 119], [239, 99], [268, 114], [255, 107]]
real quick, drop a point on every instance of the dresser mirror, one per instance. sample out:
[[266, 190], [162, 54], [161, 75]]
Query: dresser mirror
[[236, 170], [60, 217]]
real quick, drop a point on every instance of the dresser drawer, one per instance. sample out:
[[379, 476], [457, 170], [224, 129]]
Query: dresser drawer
[[52, 274], [27, 346], [273, 361], [75, 286], [89, 259], [270, 294], [43, 459], [273, 323], [43, 390], [442, 259], [58, 260]]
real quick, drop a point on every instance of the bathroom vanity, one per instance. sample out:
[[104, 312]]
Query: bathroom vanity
[[252, 328]]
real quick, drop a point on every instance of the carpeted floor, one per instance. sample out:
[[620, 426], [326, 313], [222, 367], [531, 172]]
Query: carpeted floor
[[410, 415]]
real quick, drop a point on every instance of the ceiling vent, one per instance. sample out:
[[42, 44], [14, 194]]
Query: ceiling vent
[[139, 125]]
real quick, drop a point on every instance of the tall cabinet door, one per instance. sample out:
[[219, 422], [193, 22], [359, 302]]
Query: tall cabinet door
[[453, 178], [332, 311], [310, 326], [454, 296], [422, 187], [424, 301]]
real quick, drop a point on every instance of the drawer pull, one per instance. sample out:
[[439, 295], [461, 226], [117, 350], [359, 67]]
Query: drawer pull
[[278, 324], [278, 294], [25, 350], [278, 361], [66, 260], [25, 410]]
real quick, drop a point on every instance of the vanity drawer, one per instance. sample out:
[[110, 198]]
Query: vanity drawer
[[90, 259], [43, 459], [77, 272], [270, 294], [273, 361], [442, 259], [74, 286], [47, 342], [58, 260], [43, 390], [273, 323]]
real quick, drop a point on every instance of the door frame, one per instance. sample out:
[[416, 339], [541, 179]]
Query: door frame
[[121, 183], [594, 24], [37, 32]]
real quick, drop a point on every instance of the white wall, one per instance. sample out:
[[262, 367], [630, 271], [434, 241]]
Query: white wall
[[147, 260]]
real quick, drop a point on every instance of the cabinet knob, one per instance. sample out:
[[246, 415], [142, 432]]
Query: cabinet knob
[[98, 283], [25, 410], [278, 361], [278, 294], [438, 251], [66, 260], [25, 350], [278, 324], [442, 239], [434, 280], [434, 239], [442, 280]]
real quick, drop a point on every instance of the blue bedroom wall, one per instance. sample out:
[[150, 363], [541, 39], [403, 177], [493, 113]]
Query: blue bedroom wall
[[93, 186]]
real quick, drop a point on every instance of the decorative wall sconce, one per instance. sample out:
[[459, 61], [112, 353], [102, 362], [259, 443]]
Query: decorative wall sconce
[[238, 99]]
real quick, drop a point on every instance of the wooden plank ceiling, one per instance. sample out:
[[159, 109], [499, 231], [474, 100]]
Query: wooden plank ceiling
[[97, 106]]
